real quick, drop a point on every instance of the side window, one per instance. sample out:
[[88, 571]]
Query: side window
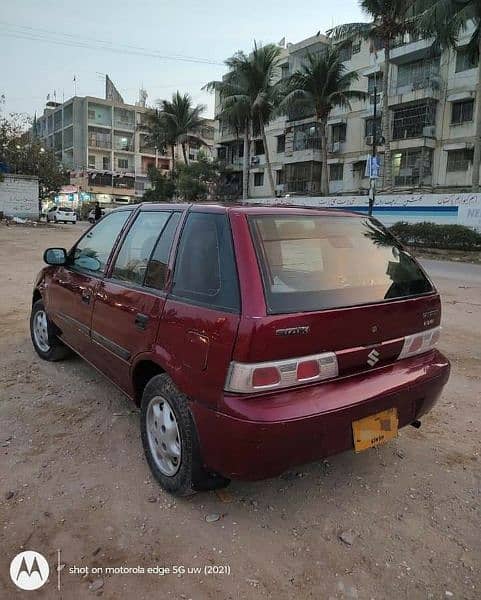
[[137, 246], [205, 270], [93, 250], [157, 268]]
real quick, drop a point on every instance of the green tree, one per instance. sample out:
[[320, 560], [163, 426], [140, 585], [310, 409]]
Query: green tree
[[250, 94], [175, 122], [390, 20], [163, 188], [23, 153], [445, 19], [198, 180], [321, 84]]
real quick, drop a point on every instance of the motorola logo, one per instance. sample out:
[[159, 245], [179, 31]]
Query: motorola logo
[[29, 570]]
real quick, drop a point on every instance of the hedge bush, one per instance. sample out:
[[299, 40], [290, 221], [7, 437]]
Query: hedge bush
[[432, 235]]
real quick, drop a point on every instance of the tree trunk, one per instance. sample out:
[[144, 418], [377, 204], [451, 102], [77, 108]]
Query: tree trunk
[[477, 139], [324, 167], [184, 153], [386, 120], [268, 161], [245, 166]]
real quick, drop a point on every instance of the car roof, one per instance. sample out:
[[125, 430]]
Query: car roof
[[252, 209]]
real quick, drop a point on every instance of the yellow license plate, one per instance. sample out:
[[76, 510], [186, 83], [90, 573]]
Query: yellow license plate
[[375, 430]]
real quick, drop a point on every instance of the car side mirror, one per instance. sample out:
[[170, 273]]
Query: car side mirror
[[55, 256]]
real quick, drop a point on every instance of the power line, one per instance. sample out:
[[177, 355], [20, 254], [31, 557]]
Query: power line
[[64, 39]]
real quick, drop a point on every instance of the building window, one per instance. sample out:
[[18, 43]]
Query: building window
[[285, 71], [306, 137], [345, 52], [417, 75], [465, 60], [123, 163], [338, 132], [105, 163], [412, 167], [356, 47], [240, 150], [462, 111], [91, 162], [303, 177], [258, 147], [91, 115], [409, 121], [258, 179], [281, 144], [459, 160], [369, 127], [280, 177], [336, 172]]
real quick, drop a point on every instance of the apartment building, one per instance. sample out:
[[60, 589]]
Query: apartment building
[[103, 142], [432, 103]]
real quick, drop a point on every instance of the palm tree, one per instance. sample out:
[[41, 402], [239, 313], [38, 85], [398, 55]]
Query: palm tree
[[390, 20], [250, 94], [175, 122], [321, 84], [445, 19]]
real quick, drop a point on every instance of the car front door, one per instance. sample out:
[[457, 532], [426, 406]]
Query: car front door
[[130, 300], [72, 287]]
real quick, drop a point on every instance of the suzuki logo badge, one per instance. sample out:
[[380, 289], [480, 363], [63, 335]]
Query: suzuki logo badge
[[373, 358]]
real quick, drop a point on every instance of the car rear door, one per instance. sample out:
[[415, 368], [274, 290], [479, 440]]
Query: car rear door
[[71, 290], [201, 315], [129, 302]]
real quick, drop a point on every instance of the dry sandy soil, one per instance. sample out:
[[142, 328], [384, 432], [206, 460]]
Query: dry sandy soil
[[73, 477]]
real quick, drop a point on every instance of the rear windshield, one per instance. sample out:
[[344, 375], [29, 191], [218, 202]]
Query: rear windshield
[[319, 262], [64, 209]]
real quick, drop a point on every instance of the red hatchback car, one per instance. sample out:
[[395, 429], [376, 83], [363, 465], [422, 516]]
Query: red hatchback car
[[252, 338]]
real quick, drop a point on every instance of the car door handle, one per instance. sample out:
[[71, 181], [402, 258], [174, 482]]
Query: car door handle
[[141, 321], [85, 297]]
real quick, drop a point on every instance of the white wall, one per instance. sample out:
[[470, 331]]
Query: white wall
[[19, 196]]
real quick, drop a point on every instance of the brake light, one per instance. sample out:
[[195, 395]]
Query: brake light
[[265, 377], [245, 378], [420, 342]]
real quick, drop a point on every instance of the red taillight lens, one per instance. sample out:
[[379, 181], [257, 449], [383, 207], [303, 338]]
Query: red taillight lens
[[265, 376], [420, 342], [307, 370]]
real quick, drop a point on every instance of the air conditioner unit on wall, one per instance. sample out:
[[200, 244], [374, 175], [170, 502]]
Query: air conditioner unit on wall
[[369, 140], [429, 131], [255, 160], [336, 147]]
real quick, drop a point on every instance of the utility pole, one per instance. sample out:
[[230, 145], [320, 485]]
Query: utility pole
[[372, 189]]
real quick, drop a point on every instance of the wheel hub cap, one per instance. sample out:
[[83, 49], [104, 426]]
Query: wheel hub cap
[[163, 435], [40, 330]]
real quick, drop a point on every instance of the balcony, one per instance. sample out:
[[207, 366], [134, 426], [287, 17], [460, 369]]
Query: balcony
[[100, 140], [410, 47]]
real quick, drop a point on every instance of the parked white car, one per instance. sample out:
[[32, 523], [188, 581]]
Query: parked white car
[[61, 214]]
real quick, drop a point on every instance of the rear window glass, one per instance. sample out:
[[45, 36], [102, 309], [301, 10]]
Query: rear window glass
[[316, 262]]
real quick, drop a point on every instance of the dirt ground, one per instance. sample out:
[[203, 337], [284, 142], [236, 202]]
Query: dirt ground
[[73, 478]]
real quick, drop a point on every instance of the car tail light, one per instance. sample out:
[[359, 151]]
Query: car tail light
[[420, 342], [245, 378]]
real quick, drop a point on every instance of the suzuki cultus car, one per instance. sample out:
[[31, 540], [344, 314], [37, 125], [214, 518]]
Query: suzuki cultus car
[[252, 338]]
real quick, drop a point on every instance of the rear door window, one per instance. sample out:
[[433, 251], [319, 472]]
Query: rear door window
[[205, 271], [313, 262], [156, 275], [134, 255]]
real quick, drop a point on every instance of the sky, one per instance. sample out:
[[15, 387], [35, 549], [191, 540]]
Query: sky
[[44, 45]]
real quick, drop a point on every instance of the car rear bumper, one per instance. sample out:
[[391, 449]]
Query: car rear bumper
[[262, 436]]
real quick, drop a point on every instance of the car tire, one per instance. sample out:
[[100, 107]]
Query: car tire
[[44, 338], [186, 475]]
